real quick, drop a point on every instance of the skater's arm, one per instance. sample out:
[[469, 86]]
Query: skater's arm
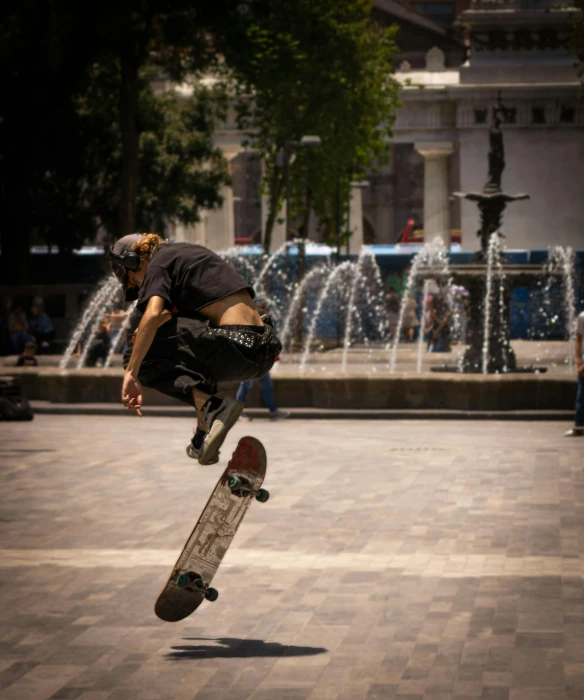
[[579, 362], [154, 316]]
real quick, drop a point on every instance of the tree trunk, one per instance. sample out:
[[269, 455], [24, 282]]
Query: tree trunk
[[130, 173], [276, 187]]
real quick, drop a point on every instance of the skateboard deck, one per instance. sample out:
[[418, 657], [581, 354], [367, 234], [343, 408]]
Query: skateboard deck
[[204, 550]]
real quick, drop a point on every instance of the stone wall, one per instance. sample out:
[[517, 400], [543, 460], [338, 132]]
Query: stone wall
[[357, 391]]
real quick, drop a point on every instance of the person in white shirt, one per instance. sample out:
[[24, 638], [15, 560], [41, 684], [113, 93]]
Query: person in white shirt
[[578, 429]]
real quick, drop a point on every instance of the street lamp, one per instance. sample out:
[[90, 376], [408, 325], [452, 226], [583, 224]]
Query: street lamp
[[283, 160]]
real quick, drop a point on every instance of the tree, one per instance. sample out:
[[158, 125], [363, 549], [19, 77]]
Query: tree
[[314, 67], [43, 55], [64, 159], [180, 169]]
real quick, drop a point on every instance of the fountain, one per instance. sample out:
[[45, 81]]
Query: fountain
[[489, 348], [99, 304], [322, 305]]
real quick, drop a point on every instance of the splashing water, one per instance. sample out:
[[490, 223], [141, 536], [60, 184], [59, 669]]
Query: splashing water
[[426, 293], [290, 317], [106, 289], [564, 260], [372, 300], [105, 306], [343, 268], [433, 255], [116, 339], [493, 261], [258, 283]]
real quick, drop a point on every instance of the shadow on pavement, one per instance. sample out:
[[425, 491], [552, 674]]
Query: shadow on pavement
[[238, 648]]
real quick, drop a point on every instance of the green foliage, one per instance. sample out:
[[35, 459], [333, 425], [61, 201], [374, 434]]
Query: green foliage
[[180, 170], [315, 67]]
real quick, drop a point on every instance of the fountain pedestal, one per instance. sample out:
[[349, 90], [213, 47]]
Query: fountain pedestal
[[474, 278], [500, 355]]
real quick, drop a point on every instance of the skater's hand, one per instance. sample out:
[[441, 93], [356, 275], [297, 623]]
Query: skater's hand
[[132, 393]]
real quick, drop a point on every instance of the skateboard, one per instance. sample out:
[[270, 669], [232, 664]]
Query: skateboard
[[189, 581]]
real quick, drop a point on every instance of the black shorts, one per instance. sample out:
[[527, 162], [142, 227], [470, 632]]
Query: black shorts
[[188, 352]]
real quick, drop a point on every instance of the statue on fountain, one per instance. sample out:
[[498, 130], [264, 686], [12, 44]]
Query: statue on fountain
[[492, 200], [497, 152]]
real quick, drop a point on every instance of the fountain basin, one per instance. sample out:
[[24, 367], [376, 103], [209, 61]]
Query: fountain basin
[[332, 390]]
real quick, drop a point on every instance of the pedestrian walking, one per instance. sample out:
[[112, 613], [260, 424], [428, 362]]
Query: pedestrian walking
[[265, 382], [578, 429]]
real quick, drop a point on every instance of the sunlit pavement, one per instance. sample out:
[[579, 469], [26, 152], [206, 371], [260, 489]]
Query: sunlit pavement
[[398, 559]]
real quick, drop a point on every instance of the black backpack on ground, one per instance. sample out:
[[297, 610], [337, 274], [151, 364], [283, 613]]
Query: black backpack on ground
[[13, 403]]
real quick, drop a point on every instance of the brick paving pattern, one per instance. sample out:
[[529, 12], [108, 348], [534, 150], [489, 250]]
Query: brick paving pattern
[[401, 559]]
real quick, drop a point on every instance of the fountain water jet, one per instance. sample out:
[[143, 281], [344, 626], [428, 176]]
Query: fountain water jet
[[106, 290], [337, 272], [433, 255], [365, 256], [565, 260], [425, 293], [107, 301], [118, 336], [297, 300], [494, 253]]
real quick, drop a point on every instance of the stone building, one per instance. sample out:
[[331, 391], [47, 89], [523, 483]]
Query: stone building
[[519, 53]]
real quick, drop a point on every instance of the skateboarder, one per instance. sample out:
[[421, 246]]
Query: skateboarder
[[199, 326]]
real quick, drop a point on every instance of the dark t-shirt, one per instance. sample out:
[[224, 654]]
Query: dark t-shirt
[[188, 277]]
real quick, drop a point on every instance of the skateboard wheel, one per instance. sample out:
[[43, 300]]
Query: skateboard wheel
[[234, 482], [182, 581], [212, 594], [262, 495]]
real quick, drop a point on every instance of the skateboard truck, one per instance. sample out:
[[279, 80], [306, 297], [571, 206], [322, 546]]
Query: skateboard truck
[[194, 581], [241, 487]]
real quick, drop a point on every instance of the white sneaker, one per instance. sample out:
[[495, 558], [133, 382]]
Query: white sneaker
[[217, 423], [574, 432], [196, 453], [279, 415]]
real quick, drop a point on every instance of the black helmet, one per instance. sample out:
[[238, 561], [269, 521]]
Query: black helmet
[[123, 258]]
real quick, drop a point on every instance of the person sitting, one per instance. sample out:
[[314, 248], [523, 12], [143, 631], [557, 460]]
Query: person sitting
[[41, 328], [28, 359], [100, 347], [116, 319], [437, 325], [17, 328], [411, 322]]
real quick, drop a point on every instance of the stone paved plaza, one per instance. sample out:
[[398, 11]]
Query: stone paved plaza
[[395, 559]]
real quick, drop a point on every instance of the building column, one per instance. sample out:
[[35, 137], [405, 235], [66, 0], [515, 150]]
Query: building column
[[436, 189], [216, 227], [219, 224]]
